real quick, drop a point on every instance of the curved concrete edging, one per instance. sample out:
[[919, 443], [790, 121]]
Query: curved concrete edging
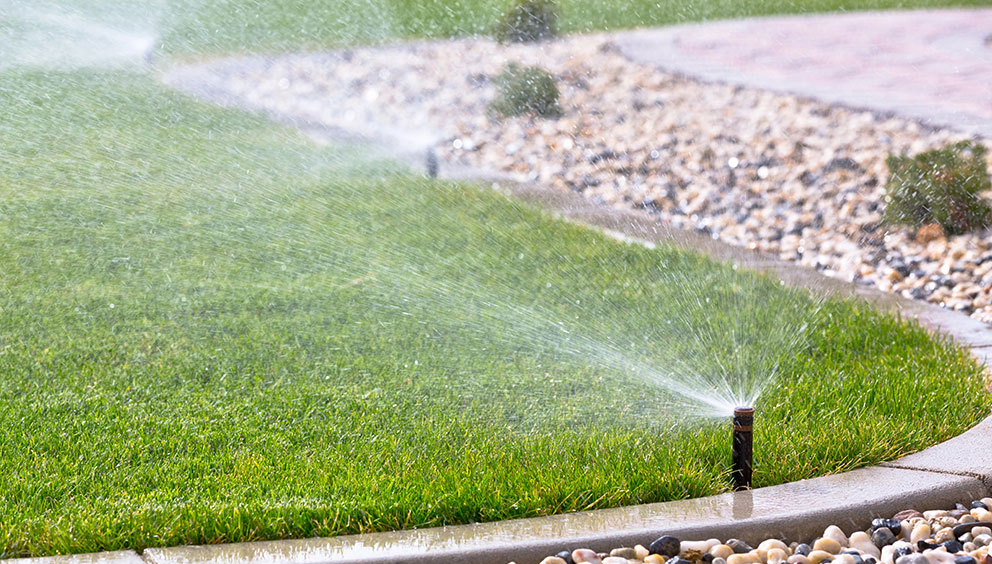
[[957, 470]]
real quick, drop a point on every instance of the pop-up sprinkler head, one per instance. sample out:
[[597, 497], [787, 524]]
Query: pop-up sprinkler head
[[741, 448]]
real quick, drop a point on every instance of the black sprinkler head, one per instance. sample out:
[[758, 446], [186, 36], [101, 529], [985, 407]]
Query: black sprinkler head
[[742, 448]]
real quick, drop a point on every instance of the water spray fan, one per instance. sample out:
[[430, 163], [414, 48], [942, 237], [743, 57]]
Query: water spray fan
[[742, 448]]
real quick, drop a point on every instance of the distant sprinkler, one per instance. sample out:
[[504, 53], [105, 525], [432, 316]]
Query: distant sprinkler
[[742, 448], [432, 164]]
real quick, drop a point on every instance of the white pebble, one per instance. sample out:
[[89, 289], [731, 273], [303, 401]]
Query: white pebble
[[698, 546], [580, 555], [773, 543], [836, 533], [861, 541], [920, 532]]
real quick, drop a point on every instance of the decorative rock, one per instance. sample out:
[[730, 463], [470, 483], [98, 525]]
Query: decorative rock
[[844, 559], [971, 526], [721, 551], [893, 525], [625, 552], [836, 533], [665, 546], [965, 559], [738, 546], [920, 532], [912, 559], [654, 559], [773, 543], [944, 534], [718, 561], [803, 549], [883, 537], [640, 552], [615, 560], [798, 559], [982, 539], [580, 555], [818, 556], [776, 556], [902, 550], [566, 556], [861, 541], [746, 558], [952, 546], [553, 560], [939, 557], [827, 545], [906, 515], [697, 546]]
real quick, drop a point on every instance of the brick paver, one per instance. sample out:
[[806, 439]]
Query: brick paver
[[932, 65]]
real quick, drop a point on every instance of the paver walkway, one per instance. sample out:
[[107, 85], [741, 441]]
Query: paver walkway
[[935, 66]]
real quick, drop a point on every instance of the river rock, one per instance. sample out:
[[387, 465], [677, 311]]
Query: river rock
[[580, 555], [665, 546], [818, 556], [835, 533], [920, 532], [721, 551], [625, 552], [827, 545], [914, 558], [861, 541], [738, 546], [553, 560], [883, 537]]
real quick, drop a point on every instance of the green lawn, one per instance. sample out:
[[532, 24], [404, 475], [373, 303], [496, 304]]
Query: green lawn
[[213, 330]]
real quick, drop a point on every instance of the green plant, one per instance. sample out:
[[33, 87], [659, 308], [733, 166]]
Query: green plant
[[940, 186], [528, 20], [521, 90]]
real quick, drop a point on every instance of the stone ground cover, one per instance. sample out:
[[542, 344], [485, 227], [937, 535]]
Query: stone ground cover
[[214, 330]]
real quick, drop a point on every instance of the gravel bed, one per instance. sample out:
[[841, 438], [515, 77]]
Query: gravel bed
[[795, 178], [958, 536]]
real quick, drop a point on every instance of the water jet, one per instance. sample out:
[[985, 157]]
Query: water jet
[[741, 448]]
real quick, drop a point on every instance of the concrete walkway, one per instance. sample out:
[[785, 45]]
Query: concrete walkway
[[930, 65], [935, 66]]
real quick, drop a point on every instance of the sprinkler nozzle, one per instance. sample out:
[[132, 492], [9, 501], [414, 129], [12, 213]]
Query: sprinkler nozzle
[[742, 448]]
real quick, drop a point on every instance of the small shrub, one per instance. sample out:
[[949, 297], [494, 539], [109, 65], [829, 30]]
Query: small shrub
[[528, 20], [940, 186], [521, 90]]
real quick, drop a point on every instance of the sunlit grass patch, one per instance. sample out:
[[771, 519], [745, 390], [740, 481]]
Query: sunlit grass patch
[[213, 330]]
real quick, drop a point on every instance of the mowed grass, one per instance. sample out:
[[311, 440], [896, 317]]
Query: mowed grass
[[213, 330]]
